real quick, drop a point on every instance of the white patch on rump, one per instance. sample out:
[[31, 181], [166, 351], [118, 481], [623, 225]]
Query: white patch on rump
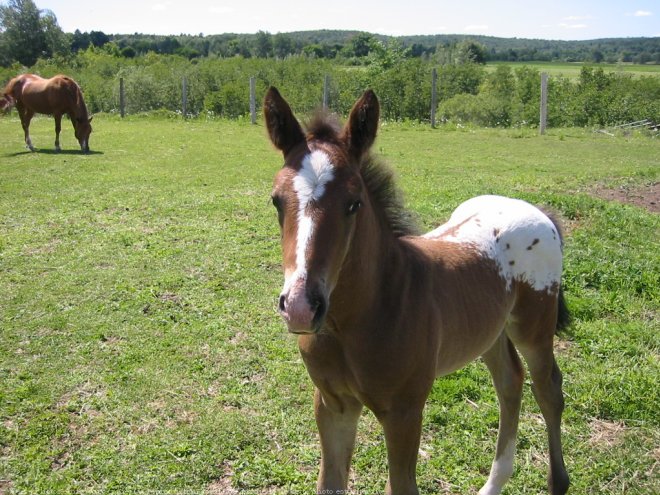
[[519, 237], [309, 184]]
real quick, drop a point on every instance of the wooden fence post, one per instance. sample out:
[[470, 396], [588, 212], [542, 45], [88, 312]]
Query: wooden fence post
[[434, 96], [253, 101], [122, 98], [184, 96], [544, 102], [326, 90]]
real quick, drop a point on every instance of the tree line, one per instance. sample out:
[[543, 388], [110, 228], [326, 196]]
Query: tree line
[[28, 33]]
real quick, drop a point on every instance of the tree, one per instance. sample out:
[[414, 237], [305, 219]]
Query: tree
[[263, 44], [470, 52], [30, 33], [282, 45], [360, 45]]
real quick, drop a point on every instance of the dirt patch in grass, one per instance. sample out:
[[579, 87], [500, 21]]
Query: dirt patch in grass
[[646, 196], [5, 487], [606, 433]]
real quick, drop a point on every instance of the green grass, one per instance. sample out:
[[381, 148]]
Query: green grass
[[140, 349], [572, 70]]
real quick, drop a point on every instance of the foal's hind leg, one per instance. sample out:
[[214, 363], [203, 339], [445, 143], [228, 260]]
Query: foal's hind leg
[[508, 374], [546, 385]]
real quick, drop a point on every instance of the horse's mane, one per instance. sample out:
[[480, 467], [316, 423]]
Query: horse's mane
[[75, 96], [378, 178]]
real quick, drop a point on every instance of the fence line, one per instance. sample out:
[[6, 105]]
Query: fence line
[[326, 98]]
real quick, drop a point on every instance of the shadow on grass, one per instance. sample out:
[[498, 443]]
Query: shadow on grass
[[52, 152]]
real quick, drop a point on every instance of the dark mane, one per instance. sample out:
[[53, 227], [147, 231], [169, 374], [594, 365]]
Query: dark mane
[[381, 184]]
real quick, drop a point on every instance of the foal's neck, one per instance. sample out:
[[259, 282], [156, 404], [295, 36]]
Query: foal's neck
[[377, 261]]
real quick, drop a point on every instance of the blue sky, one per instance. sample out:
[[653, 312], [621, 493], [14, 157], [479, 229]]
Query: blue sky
[[552, 19]]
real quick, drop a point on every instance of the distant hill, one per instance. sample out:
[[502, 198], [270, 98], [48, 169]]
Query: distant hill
[[338, 43]]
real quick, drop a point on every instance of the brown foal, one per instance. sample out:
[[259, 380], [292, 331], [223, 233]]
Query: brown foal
[[380, 311]]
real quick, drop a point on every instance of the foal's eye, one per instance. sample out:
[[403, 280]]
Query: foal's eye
[[354, 207], [276, 202]]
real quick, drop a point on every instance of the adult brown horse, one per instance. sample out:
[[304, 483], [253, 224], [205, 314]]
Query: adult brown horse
[[56, 96], [381, 312]]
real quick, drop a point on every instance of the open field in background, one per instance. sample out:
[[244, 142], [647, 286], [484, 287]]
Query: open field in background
[[140, 349], [572, 70]]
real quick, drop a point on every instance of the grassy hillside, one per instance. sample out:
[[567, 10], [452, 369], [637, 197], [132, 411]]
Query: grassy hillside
[[572, 70], [141, 352]]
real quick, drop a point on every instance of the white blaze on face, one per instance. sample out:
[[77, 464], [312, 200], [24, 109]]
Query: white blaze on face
[[316, 172]]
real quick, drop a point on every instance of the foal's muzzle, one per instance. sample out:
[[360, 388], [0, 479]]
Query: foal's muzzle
[[303, 310]]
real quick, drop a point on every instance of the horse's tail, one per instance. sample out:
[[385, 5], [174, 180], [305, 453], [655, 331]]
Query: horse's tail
[[8, 100], [6, 103], [563, 314]]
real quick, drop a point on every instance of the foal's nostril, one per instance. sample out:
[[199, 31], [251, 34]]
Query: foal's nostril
[[282, 303], [318, 307]]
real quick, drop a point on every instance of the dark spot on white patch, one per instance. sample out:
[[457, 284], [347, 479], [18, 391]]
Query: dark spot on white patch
[[508, 246], [511, 263], [534, 243], [496, 232]]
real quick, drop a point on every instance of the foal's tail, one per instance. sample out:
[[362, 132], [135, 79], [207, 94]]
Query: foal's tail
[[563, 314]]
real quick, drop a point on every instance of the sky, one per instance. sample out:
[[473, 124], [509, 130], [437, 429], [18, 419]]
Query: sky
[[552, 19]]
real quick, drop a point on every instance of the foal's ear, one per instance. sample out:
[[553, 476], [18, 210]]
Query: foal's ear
[[362, 126], [283, 128]]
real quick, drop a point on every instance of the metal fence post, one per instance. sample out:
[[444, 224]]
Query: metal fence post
[[544, 102], [184, 96], [253, 101], [122, 98], [434, 96], [326, 90]]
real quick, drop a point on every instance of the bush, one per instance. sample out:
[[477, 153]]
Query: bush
[[482, 109]]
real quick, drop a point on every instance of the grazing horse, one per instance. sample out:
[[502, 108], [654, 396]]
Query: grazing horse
[[56, 96], [380, 312]]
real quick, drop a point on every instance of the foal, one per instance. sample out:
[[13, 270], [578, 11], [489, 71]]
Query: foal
[[381, 312]]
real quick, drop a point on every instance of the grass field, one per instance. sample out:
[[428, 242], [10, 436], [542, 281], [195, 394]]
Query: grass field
[[140, 349], [572, 70]]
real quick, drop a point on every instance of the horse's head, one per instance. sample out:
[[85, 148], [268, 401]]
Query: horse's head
[[83, 128], [318, 195]]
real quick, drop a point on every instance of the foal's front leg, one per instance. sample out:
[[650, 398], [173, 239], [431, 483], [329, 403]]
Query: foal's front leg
[[403, 428], [337, 419]]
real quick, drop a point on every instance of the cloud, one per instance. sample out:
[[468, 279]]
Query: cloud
[[639, 13], [577, 18], [573, 26]]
